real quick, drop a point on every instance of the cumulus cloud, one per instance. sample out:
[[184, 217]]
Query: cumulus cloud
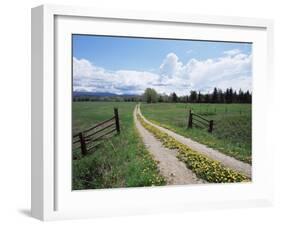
[[171, 66], [224, 72], [232, 52], [88, 77], [232, 69]]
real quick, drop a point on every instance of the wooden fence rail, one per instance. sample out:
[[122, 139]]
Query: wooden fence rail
[[88, 139], [199, 121]]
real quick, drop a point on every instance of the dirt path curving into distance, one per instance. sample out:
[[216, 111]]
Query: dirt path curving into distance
[[225, 160], [174, 171]]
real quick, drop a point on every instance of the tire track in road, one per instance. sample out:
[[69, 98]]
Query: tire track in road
[[174, 170]]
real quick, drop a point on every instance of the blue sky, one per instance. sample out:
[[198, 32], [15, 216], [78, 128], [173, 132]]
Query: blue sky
[[128, 65]]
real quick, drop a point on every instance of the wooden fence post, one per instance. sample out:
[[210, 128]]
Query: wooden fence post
[[117, 120], [83, 144], [211, 124], [190, 119]]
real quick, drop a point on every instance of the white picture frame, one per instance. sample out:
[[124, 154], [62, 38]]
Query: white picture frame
[[52, 198]]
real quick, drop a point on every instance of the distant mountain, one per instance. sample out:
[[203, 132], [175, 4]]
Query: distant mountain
[[92, 94], [100, 94]]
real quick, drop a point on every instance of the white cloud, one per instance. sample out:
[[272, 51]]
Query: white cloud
[[232, 52], [232, 69], [88, 77], [171, 66], [224, 72]]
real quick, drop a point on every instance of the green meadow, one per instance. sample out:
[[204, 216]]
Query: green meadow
[[121, 160], [232, 125]]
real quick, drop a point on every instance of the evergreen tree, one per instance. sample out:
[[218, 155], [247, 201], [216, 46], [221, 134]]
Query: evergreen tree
[[220, 96], [215, 95], [193, 96], [227, 96], [230, 95], [207, 98], [174, 98], [160, 99], [199, 97]]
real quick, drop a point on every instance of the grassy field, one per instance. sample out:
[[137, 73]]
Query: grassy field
[[120, 161], [232, 125]]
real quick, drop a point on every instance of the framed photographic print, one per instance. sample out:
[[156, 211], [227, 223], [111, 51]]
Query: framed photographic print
[[137, 112]]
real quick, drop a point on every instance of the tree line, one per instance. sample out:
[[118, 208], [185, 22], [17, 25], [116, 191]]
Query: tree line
[[217, 96], [151, 96]]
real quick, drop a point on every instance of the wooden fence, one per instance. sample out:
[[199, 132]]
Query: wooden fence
[[199, 121], [88, 139]]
